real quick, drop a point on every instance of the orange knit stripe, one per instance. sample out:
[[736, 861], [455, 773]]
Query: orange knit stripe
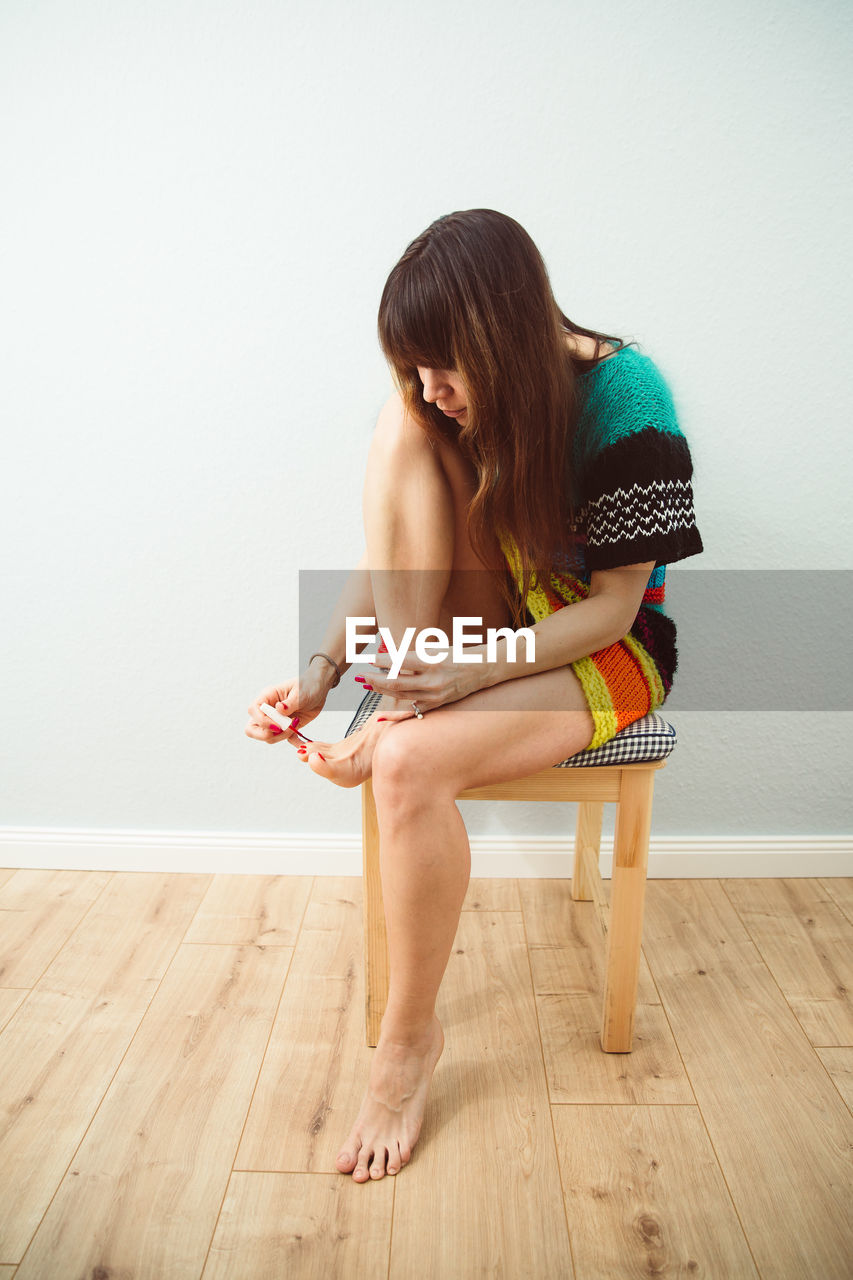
[[626, 683]]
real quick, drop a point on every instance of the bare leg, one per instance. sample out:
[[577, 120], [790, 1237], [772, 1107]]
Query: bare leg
[[422, 566], [416, 501], [419, 768]]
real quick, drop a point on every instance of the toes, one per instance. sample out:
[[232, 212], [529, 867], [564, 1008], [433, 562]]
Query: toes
[[345, 1160], [369, 1164], [361, 1172]]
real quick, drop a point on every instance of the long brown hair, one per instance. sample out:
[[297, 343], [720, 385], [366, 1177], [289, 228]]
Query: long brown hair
[[472, 295]]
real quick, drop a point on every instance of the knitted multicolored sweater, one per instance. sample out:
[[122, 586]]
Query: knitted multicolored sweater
[[633, 499]]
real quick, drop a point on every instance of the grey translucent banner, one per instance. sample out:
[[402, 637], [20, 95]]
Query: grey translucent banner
[[747, 639]]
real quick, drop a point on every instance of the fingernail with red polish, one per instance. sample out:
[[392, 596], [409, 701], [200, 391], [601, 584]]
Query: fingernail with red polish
[[369, 688], [360, 679], [274, 728], [294, 722], [322, 757], [379, 719]]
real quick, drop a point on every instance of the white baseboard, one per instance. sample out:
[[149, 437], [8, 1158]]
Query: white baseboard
[[236, 853]]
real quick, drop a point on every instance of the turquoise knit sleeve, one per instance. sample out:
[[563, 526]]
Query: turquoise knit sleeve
[[634, 472]]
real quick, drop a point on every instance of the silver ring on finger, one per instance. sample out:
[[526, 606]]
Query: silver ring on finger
[[418, 711]]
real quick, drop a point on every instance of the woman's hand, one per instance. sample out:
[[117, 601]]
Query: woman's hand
[[302, 699], [430, 686]]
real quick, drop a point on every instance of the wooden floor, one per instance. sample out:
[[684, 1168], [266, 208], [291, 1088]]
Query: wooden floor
[[181, 1057]]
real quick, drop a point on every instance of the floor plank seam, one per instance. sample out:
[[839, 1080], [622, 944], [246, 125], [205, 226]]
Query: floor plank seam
[[391, 1227], [654, 982], [110, 877], [273, 1021], [827, 885], [727, 977], [263, 1057], [232, 1170], [17, 1009], [814, 1048], [64, 1174], [264, 946], [303, 1173], [219, 1213], [108, 1086], [210, 880], [711, 1142], [668, 1105], [547, 1081]]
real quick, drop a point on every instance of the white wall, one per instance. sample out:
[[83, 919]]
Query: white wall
[[202, 201]]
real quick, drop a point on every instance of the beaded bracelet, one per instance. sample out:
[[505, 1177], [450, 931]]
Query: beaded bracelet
[[334, 664]]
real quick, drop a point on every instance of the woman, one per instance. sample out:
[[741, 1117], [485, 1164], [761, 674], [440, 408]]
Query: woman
[[516, 441]]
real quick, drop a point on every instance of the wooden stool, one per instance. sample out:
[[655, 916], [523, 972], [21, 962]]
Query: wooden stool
[[622, 772]]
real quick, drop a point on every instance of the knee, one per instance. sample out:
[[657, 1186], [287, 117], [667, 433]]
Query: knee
[[406, 773]]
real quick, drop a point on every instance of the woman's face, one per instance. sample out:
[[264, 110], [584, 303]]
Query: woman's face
[[445, 389]]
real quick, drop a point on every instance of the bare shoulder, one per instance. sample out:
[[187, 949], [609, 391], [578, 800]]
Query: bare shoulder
[[583, 347], [396, 429], [393, 410]]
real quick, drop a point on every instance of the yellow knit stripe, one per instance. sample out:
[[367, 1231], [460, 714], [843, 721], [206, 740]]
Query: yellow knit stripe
[[543, 601], [510, 550], [593, 683], [598, 700], [650, 671], [538, 604], [567, 588]]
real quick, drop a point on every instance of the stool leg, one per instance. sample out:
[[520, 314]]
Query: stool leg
[[375, 938], [627, 900], [587, 836]]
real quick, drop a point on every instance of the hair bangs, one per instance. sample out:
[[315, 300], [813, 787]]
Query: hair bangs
[[472, 294], [415, 321]]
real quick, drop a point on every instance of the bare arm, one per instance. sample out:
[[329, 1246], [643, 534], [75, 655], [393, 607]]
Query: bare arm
[[306, 695], [579, 629], [604, 617], [356, 600]]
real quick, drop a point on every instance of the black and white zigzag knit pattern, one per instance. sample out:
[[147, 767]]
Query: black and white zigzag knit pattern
[[637, 501], [642, 511]]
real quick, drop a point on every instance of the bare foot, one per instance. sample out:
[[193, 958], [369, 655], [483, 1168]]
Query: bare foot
[[350, 761], [391, 1115]]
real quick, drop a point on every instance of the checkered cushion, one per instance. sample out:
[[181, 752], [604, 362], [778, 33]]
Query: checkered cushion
[[651, 738]]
